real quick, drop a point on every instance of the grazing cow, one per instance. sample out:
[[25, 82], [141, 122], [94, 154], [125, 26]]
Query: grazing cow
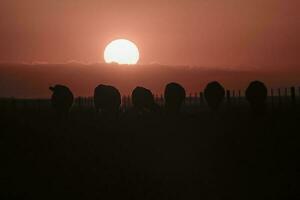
[[174, 97], [214, 94], [256, 94], [107, 99], [143, 100], [61, 99]]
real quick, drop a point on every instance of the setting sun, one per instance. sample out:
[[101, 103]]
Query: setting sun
[[121, 51]]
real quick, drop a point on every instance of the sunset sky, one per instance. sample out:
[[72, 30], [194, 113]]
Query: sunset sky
[[238, 34], [197, 32]]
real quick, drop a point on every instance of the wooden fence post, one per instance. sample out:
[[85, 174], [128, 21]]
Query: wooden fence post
[[38, 104], [79, 102], [298, 94], [13, 104], [90, 102], [228, 96], [279, 98], [293, 96], [201, 98], [123, 102], [272, 98], [190, 99], [129, 101], [24, 103], [161, 100]]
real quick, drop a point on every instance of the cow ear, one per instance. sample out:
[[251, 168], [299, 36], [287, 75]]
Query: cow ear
[[51, 88]]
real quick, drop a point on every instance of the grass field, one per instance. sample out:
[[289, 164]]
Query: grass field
[[196, 155]]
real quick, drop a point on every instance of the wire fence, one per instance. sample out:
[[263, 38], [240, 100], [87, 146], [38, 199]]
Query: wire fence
[[277, 98]]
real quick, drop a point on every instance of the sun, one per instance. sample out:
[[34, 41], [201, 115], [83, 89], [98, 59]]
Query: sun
[[121, 51]]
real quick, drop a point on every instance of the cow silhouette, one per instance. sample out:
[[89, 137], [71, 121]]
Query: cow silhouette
[[107, 99], [61, 99], [143, 100], [174, 97], [256, 94], [214, 94]]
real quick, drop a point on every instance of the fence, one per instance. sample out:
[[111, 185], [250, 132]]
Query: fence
[[277, 98]]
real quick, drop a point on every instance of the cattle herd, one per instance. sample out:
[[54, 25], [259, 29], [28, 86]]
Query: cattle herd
[[107, 99], [152, 148]]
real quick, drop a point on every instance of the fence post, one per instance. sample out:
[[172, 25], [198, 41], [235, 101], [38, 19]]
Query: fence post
[[272, 98], [293, 96], [123, 102], [129, 101], [190, 99], [13, 103], [298, 94], [161, 100], [279, 98], [201, 98], [24, 103], [79, 102], [228, 96], [39, 106]]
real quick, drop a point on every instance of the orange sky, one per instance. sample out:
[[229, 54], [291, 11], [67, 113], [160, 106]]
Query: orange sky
[[189, 32], [232, 41]]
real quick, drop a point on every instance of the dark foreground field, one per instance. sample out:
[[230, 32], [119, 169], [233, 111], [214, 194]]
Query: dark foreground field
[[199, 155]]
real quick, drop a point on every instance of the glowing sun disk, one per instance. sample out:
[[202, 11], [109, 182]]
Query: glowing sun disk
[[121, 51]]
